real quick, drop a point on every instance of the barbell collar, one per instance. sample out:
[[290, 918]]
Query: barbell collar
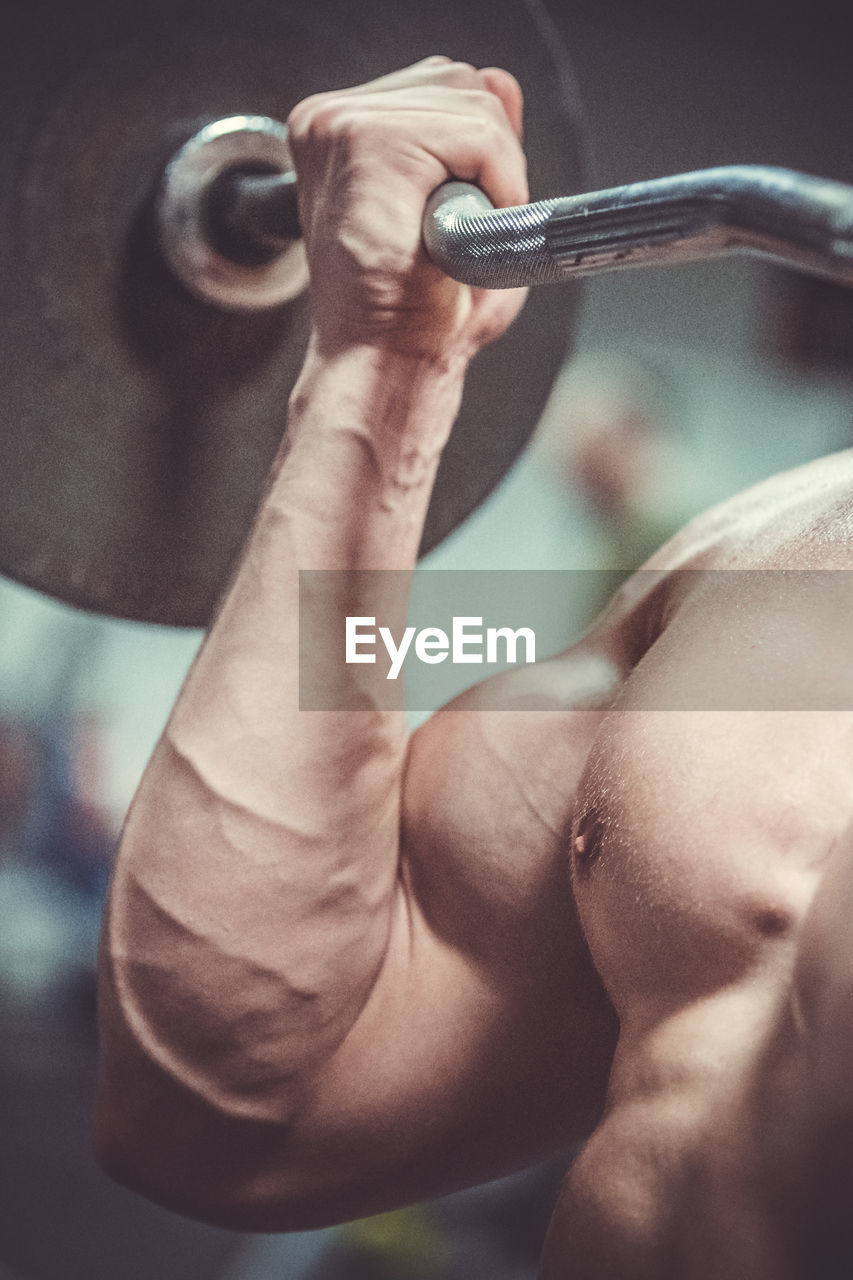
[[226, 215]]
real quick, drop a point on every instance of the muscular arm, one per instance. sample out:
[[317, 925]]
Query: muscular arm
[[296, 1026]]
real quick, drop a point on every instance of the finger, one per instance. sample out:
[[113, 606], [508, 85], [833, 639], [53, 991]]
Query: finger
[[466, 130], [505, 87], [436, 72], [437, 69], [468, 135], [485, 152], [479, 145]]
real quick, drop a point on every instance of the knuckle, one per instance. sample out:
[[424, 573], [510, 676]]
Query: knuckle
[[492, 124], [489, 106], [299, 119], [506, 80], [487, 102], [457, 74], [317, 119], [466, 69]]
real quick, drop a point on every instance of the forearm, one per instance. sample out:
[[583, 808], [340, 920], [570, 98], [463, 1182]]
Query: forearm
[[257, 919], [251, 903], [349, 492]]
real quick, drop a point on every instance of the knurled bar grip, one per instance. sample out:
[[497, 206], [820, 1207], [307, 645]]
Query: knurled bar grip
[[795, 219]]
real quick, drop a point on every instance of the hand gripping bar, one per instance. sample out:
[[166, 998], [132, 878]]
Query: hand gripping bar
[[229, 222]]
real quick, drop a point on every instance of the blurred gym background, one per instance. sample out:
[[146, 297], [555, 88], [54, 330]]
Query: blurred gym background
[[687, 384]]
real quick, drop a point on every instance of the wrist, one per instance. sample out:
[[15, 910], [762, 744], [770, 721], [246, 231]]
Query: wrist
[[412, 368], [401, 403], [366, 429]]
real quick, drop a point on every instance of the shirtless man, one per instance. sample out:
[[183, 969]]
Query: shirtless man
[[344, 970]]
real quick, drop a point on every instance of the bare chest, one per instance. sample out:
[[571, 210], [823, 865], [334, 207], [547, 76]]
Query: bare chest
[[698, 843]]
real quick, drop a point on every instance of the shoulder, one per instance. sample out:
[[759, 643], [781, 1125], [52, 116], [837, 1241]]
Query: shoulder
[[802, 518]]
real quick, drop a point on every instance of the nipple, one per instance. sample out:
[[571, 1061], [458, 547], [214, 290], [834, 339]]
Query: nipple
[[586, 844]]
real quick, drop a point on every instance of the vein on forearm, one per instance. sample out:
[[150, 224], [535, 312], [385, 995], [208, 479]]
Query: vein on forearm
[[244, 943], [252, 903]]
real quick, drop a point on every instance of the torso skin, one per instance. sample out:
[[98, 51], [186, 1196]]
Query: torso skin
[[342, 970], [701, 839], [696, 843]]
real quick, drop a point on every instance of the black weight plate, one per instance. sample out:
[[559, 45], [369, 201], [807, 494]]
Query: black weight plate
[[138, 423]]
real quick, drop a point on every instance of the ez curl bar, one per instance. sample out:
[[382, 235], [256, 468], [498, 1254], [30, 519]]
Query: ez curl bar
[[231, 233]]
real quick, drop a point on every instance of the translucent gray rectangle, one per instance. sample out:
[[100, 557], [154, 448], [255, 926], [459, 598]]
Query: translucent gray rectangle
[[701, 640]]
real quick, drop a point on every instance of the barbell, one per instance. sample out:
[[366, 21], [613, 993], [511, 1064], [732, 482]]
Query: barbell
[[138, 422], [155, 316], [231, 233]]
